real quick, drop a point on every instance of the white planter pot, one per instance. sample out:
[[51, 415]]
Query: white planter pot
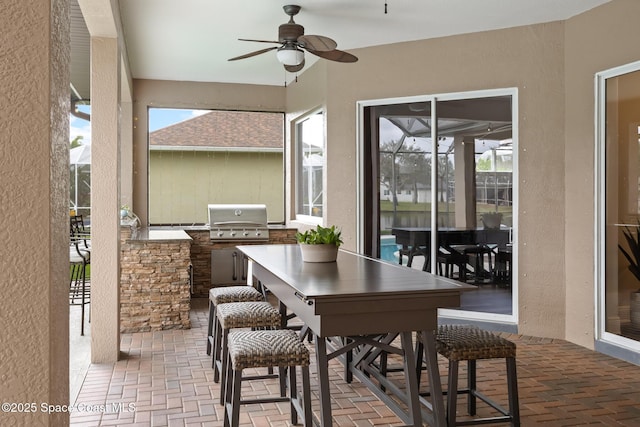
[[491, 221], [318, 253]]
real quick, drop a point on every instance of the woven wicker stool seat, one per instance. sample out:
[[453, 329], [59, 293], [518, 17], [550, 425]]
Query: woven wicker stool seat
[[224, 295], [471, 343], [228, 294], [462, 342], [265, 348], [251, 314]]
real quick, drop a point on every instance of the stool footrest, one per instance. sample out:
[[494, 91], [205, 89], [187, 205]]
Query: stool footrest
[[264, 400], [486, 399], [259, 377], [479, 395], [489, 420]]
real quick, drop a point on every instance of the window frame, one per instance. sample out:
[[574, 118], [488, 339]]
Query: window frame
[[281, 220], [298, 171]]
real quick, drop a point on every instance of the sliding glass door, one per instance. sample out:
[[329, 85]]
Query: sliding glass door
[[618, 213], [438, 190]]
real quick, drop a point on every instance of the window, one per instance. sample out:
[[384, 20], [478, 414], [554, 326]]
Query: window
[[80, 163], [80, 180], [198, 157], [310, 167]]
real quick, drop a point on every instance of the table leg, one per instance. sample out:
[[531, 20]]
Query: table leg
[[413, 396], [283, 314], [348, 359], [323, 381], [431, 359]]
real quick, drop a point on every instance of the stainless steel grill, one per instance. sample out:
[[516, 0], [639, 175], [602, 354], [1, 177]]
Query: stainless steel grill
[[241, 223]]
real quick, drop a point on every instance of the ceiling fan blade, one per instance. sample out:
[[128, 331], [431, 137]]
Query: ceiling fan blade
[[317, 43], [294, 68], [335, 55], [258, 41], [257, 52]]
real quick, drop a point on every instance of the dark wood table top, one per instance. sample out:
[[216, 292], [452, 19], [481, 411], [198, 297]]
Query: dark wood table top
[[351, 275]]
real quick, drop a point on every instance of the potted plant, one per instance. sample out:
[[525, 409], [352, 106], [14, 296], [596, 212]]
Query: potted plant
[[320, 244], [491, 220], [633, 256]]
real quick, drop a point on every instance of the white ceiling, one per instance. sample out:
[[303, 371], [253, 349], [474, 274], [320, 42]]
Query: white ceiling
[[191, 40]]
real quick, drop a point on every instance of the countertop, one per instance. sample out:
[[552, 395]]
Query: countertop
[[206, 228], [145, 234], [171, 233]]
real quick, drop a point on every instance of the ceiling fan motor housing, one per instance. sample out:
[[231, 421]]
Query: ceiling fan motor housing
[[289, 32]]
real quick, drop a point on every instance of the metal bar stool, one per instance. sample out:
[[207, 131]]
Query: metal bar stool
[[79, 286], [224, 295], [259, 349], [476, 254], [465, 342], [235, 315]]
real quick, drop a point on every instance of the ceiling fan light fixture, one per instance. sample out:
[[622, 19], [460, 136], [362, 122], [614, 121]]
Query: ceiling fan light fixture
[[290, 55]]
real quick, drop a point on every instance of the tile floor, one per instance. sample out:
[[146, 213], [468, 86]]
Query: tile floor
[[165, 379]]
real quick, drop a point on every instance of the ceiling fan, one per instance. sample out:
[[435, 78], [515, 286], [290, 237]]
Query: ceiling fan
[[293, 42]]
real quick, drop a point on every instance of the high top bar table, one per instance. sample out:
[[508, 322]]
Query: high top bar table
[[368, 302]]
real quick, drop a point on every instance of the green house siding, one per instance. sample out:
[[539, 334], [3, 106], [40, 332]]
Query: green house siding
[[183, 182]]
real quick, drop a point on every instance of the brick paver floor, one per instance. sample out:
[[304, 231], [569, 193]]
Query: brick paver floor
[[165, 379]]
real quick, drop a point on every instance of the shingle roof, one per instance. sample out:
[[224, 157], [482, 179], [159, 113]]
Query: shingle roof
[[237, 129]]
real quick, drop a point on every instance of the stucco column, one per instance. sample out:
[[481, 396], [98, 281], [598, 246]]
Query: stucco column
[[465, 180], [105, 200], [34, 213], [126, 153]]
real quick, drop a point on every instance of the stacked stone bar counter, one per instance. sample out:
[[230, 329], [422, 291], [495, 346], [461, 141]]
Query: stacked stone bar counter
[[161, 270], [155, 280]]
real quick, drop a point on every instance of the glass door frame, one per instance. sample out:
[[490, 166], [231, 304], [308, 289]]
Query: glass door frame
[[601, 334], [360, 208]]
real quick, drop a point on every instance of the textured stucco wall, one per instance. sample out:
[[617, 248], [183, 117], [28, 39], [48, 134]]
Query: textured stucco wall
[[551, 65], [34, 217], [603, 38], [529, 58]]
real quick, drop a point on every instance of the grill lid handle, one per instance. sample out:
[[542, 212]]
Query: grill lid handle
[[238, 223]]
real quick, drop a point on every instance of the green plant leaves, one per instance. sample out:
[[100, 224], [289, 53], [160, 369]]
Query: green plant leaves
[[633, 240], [320, 236]]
